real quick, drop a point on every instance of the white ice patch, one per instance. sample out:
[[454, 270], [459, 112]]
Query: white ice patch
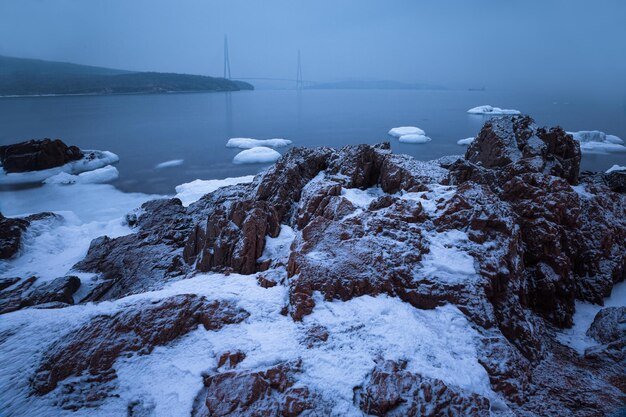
[[249, 143], [406, 130], [595, 141], [487, 109], [438, 343], [52, 247], [416, 139], [278, 248], [466, 141], [170, 163], [576, 336], [438, 194], [97, 176], [361, 198], [190, 192], [616, 168], [92, 160], [582, 191], [256, 155], [447, 261]]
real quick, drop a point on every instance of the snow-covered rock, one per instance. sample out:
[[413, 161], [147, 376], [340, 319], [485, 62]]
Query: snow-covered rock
[[256, 155], [487, 109], [406, 130], [248, 143], [595, 141]]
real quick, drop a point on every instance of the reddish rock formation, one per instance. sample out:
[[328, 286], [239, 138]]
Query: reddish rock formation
[[390, 390], [91, 351]]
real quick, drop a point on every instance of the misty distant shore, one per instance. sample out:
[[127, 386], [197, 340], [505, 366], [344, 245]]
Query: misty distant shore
[[21, 77]]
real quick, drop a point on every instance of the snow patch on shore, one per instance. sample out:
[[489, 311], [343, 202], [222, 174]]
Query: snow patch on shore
[[576, 337], [616, 168], [190, 192], [97, 176]]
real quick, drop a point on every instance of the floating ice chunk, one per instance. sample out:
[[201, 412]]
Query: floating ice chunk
[[595, 141], [191, 192], [169, 164], [414, 138], [487, 109], [616, 168], [97, 176], [249, 143], [466, 141], [256, 155], [92, 160], [406, 130]]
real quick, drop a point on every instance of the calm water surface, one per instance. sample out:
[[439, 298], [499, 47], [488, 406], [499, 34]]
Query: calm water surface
[[145, 130]]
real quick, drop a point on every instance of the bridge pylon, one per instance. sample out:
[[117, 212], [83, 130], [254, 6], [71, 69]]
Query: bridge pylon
[[226, 59]]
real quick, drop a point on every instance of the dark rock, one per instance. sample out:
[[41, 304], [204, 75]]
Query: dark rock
[[616, 181], [95, 346], [609, 325], [25, 293], [390, 390], [35, 155], [231, 359]]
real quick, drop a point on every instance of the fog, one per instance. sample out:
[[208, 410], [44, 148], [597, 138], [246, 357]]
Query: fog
[[558, 44]]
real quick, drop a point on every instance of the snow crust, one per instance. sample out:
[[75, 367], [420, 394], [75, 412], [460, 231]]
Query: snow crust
[[97, 176], [616, 168], [52, 246], [487, 109], [361, 198], [93, 160], [438, 343], [406, 130], [576, 337], [447, 261], [248, 143], [595, 141], [466, 141], [190, 192], [256, 155], [278, 248], [414, 139], [170, 163]]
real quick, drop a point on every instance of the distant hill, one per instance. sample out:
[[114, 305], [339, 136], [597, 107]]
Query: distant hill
[[373, 85], [20, 76]]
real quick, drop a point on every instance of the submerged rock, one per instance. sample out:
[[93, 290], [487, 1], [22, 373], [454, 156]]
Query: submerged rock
[[37, 154]]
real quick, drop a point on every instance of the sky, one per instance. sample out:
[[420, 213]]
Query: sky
[[552, 44]]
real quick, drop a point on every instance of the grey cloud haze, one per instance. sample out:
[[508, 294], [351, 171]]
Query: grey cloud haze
[[497, 43]]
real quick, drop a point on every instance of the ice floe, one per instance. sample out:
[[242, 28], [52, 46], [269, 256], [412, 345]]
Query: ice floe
[[248, 143], [406, 130], [169, 164], [93, 160], [487, 109], [414, 138], [616, 168], [256, 155], [466, 141], [595, 141], [97, 176], [191, 192]]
